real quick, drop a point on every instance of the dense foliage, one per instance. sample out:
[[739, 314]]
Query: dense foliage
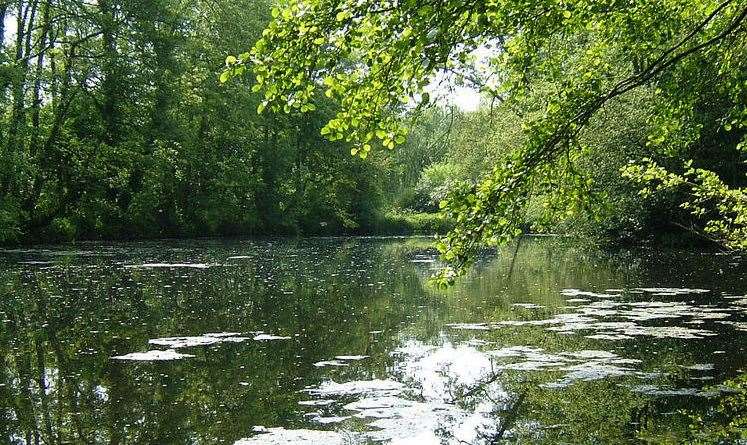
[[113, 124], [117, 119], [559, 65]]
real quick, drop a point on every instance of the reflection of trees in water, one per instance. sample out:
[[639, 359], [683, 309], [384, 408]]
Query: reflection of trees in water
[[61, 325], [52, 387], [64, 323], [601, 411]]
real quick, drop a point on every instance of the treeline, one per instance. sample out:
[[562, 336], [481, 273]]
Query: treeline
[[113, 125], [588, 197]]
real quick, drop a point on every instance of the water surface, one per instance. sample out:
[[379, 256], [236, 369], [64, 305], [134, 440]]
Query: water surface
[[342, 341]]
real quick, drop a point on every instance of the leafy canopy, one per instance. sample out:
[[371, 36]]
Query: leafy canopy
[[375, 57]]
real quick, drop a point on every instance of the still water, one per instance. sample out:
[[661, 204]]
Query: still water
[[343, 341]]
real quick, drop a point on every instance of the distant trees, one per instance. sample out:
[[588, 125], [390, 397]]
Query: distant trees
[[113, 124]]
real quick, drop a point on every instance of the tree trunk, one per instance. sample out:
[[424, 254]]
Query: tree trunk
[[37, 100], [109, 84], [3, 12], [13, 149]]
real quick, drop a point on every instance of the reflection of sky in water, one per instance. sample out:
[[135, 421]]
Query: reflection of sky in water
[[342, 341], [437, 375]]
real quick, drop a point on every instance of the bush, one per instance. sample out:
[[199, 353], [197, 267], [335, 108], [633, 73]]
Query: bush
[[433, 186], [406, 223]]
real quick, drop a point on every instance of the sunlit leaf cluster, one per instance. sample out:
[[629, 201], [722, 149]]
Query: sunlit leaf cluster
[[724, 208]]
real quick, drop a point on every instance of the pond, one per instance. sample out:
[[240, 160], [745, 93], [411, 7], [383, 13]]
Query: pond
[[343, 341]]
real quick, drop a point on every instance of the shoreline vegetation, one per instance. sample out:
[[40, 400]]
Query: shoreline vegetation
[[394, 223], [398, 225], [127, 120]]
